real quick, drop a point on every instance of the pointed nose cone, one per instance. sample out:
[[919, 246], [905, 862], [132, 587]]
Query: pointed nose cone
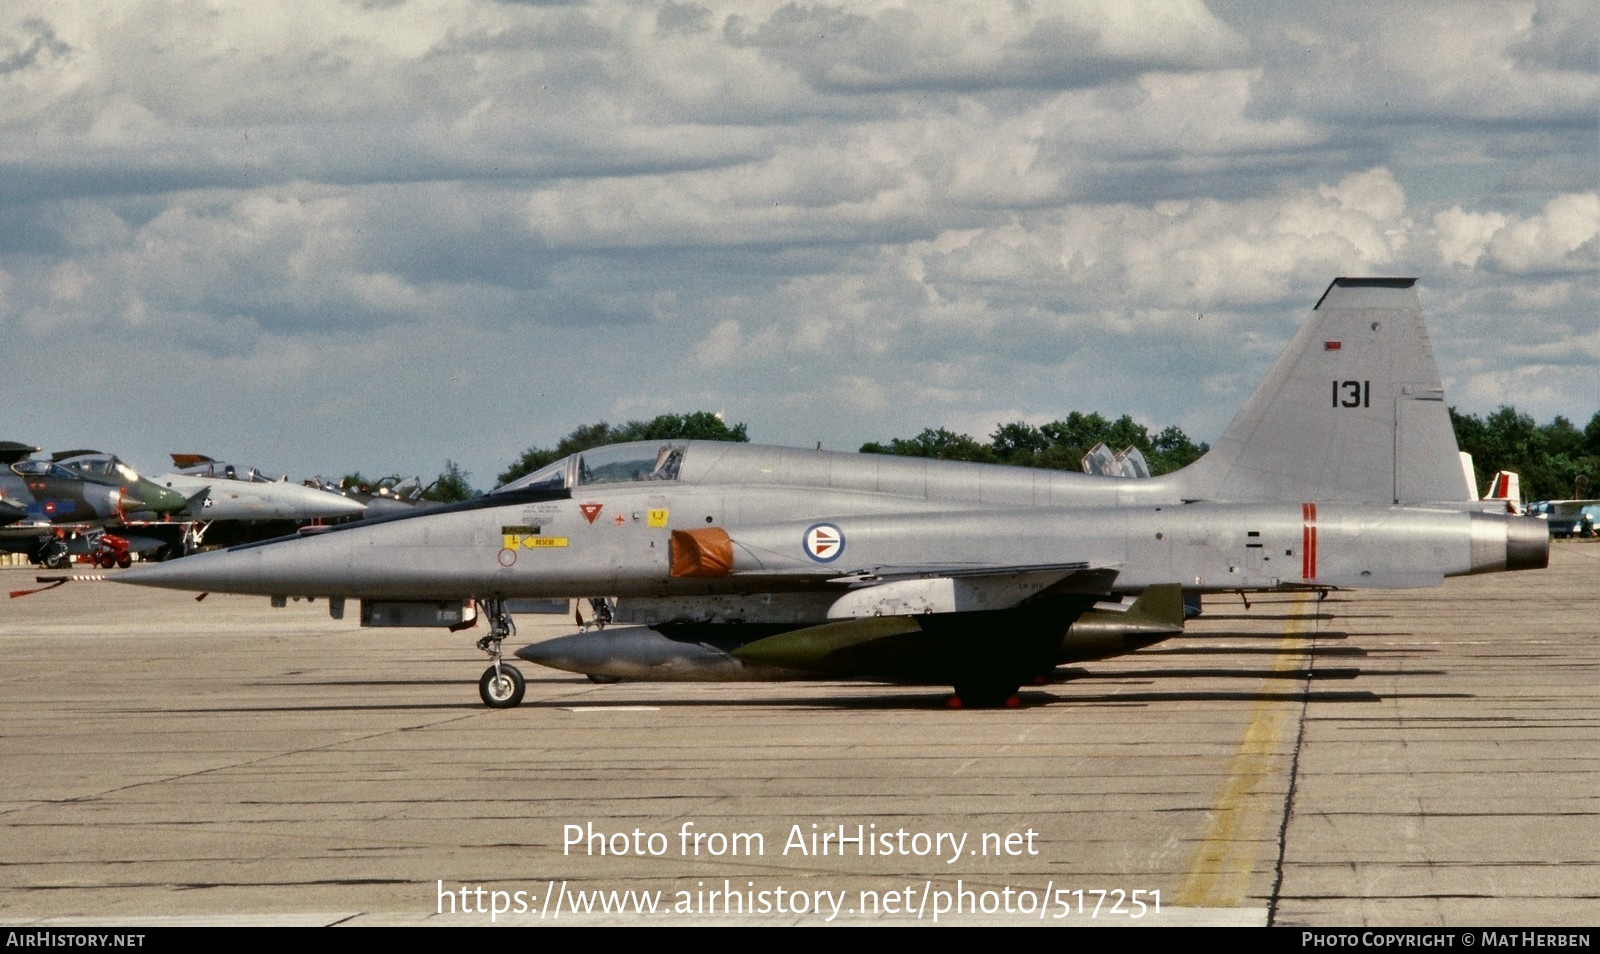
[[219, 572], [335, 563], [293, 502], [321, 504], [398, 559], [160, 499]]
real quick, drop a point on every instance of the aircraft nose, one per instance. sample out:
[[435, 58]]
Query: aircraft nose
[[344, 506], [321, 504], [11, 514], [202, 572], [162, 500]]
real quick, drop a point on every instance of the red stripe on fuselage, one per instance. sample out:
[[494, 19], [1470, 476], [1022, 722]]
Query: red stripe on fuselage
[[1308, 541]]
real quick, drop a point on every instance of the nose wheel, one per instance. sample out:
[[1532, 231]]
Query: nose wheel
[[501, 686]]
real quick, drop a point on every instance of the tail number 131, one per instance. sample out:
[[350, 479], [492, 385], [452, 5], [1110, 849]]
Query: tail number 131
[[1352, 394]]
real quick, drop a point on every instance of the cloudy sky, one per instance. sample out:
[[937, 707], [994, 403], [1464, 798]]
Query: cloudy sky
[[376, 235]]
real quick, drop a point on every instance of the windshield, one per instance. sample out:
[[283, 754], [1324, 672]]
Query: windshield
[[619, 463], [43, 468], [628, 462], [108, 467], [549, 477]]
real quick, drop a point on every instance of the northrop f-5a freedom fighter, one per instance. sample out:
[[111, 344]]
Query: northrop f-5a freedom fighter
[[733, 561]]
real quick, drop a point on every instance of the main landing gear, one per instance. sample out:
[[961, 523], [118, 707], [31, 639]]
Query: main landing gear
[[55, 557], [986, 692], [501, 685]]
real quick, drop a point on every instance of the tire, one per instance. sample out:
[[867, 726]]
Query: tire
[[502, 689], [989, 693]]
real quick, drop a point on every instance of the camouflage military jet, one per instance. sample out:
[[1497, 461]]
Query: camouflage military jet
[[731, 561], [157, 501], [68, 503]]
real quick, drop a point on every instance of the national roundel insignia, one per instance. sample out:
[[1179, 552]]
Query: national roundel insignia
[[824, 542]]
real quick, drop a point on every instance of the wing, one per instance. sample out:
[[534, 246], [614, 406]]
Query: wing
[[915, 591]]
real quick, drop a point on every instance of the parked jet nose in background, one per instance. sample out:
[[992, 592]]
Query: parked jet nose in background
[[148, 497], [244, 493]]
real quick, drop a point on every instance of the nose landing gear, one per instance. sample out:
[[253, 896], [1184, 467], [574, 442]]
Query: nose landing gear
[[501, 686]]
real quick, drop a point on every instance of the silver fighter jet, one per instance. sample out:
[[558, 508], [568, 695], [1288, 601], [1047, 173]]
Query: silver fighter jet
[[732, 561], [245, 493]]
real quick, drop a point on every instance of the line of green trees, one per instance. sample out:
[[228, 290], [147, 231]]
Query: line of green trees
[[1550, 458], [1556, 460], [1059, 445]]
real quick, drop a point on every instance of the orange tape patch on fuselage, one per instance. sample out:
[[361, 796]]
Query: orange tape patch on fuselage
[[706, 552]]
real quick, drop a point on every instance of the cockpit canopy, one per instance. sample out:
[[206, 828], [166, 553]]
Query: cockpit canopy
[[43, 468], [107, 468], [221, 470], [615, 464]]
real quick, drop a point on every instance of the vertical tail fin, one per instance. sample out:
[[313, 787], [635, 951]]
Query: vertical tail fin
[[1506, 486], [1353, 410]]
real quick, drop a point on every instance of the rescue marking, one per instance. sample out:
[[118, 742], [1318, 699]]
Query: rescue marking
[[656, 517], [590, 511], [824, 542]]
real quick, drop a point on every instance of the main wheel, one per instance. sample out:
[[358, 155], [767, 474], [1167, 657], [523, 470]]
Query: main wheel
[[502, 688], [987, 693]]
